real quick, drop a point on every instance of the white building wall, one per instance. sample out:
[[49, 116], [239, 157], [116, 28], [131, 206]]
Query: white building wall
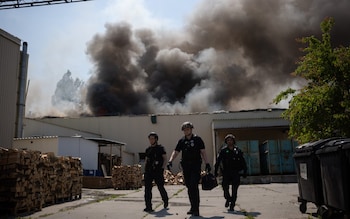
[[129, 158], [133, 130], [79, 147], [45, 145], [63, 146], [38, 128]]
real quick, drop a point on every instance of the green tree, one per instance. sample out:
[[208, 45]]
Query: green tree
[[321, 109]]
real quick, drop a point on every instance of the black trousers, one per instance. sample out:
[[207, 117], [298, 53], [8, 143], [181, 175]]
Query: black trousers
[[158, 178], [192, 174], [227, 180]]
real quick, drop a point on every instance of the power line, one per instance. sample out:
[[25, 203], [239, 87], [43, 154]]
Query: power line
[[10, 4]]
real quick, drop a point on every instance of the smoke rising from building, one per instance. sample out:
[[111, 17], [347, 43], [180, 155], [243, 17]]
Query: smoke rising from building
[[231, 55], [68, 96]]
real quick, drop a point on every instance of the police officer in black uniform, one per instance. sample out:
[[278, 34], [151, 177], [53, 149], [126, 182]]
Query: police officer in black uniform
[[154, 168], [230, 161], [193, 151]]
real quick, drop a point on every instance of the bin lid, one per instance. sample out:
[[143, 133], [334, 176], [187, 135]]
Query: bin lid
[[335, 145], [313, 146]]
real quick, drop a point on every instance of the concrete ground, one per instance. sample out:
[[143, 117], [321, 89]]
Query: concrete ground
[[273, 200]]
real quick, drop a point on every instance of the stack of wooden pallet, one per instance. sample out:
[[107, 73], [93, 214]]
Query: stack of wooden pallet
[[127, 177], [47, 165], [69, 178], [76, 172], [29, 180], [20, 181]]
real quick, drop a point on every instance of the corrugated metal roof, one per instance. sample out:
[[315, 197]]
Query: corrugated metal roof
[[98, 140], [35, 137]]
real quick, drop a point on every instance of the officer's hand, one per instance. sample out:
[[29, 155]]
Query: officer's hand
[[170, 165], [207, 167]]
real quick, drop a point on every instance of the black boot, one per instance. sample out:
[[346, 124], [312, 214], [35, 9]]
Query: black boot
[[232, 206], [166, 203], [148, 210], [195, 213]]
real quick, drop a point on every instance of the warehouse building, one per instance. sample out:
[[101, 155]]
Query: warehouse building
[[262, 134], [13, 79]]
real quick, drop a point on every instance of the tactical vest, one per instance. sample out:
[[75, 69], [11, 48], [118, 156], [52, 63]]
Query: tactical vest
[[232, 159], [154, 158]]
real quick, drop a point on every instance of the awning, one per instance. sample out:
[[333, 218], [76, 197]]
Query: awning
[[103, 142], [106, 141]]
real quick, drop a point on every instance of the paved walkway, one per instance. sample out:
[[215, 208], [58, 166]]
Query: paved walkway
[[270, 201]]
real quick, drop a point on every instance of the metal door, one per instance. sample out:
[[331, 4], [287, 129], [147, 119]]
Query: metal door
[[251, 155]]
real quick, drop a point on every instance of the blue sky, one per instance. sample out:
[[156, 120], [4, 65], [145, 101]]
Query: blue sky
[[57, 36]]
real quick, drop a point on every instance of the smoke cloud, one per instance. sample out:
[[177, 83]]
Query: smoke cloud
[[68, 96], [231, 55]]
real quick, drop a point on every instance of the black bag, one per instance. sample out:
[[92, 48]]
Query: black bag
[[209, 181]]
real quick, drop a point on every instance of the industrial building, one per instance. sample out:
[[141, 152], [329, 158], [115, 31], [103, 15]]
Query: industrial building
[[13, 79], [262, 133]]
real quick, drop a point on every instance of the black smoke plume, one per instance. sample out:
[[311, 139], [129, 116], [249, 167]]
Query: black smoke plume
[[231, 55]]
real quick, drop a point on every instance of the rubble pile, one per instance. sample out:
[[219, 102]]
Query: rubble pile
[[30, 180], [176, 179], [173, 179]]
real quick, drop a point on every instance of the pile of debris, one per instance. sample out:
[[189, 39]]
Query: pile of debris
[[30, 180], [173, 179], [176, 179], [131, 177], [127, 177]]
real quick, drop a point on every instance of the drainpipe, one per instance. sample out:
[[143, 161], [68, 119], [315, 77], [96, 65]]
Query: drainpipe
[[21, 95]]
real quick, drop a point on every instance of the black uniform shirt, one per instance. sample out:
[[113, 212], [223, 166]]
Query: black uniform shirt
[[190, 149], [232, 160], [154, 157]]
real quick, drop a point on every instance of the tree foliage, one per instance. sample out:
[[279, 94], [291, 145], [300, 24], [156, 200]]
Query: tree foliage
[[321, 109]]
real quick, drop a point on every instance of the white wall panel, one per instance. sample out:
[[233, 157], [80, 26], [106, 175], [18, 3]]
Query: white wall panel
[[79, 147]]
